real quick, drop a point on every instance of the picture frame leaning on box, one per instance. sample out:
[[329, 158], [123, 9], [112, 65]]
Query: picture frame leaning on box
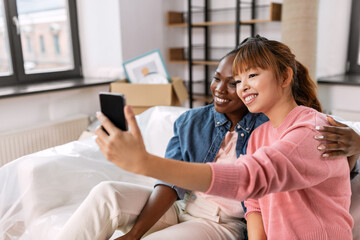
[[148, 68]]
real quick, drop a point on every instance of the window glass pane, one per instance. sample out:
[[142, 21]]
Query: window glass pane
[[56, 44], [40, 21], [42, 44], [28, 42], [5, 63]]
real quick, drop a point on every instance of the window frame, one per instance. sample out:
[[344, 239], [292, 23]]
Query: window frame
[[354, 39], [19, 76]]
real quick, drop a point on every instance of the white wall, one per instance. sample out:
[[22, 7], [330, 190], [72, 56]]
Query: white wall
[[333, 38], [330, 94], [142, 27], [100, 38]]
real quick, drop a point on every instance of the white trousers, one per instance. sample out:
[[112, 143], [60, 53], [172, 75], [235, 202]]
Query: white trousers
[[116, 205]]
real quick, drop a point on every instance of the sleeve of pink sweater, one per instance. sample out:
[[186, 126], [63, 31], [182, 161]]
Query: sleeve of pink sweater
[[252, 205], [291, 163]]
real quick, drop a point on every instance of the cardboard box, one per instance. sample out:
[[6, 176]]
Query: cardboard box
[[144, 96]]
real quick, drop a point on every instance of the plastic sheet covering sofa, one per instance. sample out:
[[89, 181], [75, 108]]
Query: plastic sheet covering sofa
[[40, 191]]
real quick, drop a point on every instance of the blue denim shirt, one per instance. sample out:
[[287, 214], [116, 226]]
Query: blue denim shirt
[[199, 132]]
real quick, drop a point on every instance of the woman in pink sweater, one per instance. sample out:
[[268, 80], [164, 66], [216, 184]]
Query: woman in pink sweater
[[299, 195]]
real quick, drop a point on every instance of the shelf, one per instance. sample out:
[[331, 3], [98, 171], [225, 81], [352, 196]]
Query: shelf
[[343, 79], [196, 62], [177, 55], [200, 62], [178, 61], [176, 19], [177, 25], [275, 12], [206, 24], [202, 98]]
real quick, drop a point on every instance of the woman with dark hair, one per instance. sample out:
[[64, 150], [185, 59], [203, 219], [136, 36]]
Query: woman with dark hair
[[217, 132], [297, 193]]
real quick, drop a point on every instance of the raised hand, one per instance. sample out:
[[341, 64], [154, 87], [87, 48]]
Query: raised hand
[[124, 148]]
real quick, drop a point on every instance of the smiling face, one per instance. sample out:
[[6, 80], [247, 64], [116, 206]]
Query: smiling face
[[259, 90], [223, 88], [263, 70]]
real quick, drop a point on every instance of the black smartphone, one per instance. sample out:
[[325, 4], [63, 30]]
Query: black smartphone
[[112, 106]]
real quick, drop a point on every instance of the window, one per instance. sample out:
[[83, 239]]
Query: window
[[56, 44], [42, 44], [354, 42], [5, 59], [28, 29], [28, 44]]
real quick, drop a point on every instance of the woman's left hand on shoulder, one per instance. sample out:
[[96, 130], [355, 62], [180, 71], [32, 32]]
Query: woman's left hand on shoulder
[[338, 140]]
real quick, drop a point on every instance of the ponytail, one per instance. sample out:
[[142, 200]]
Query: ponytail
[[304, 89]]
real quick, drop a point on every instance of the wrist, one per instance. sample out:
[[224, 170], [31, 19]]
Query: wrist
[[134, 234], [142, 164], [147, 162]]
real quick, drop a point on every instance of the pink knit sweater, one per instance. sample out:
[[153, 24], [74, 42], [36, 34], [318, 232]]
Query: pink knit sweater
[[300, 195]]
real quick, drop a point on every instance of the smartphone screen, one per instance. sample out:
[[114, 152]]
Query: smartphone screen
[[112, 106]]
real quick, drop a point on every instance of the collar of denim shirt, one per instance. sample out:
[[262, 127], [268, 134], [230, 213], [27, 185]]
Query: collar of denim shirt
[[247, 123]]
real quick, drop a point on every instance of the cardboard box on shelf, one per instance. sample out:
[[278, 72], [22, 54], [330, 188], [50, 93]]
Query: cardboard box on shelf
[[144, 96]]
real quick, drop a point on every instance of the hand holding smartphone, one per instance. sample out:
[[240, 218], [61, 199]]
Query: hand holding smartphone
[[112, 106]]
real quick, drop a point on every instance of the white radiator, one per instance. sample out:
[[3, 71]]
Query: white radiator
[[19, 143]]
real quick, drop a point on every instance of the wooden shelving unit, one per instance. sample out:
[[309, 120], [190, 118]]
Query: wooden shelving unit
[[209, 63], [176, 19], [202, 98], [177, 55]]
